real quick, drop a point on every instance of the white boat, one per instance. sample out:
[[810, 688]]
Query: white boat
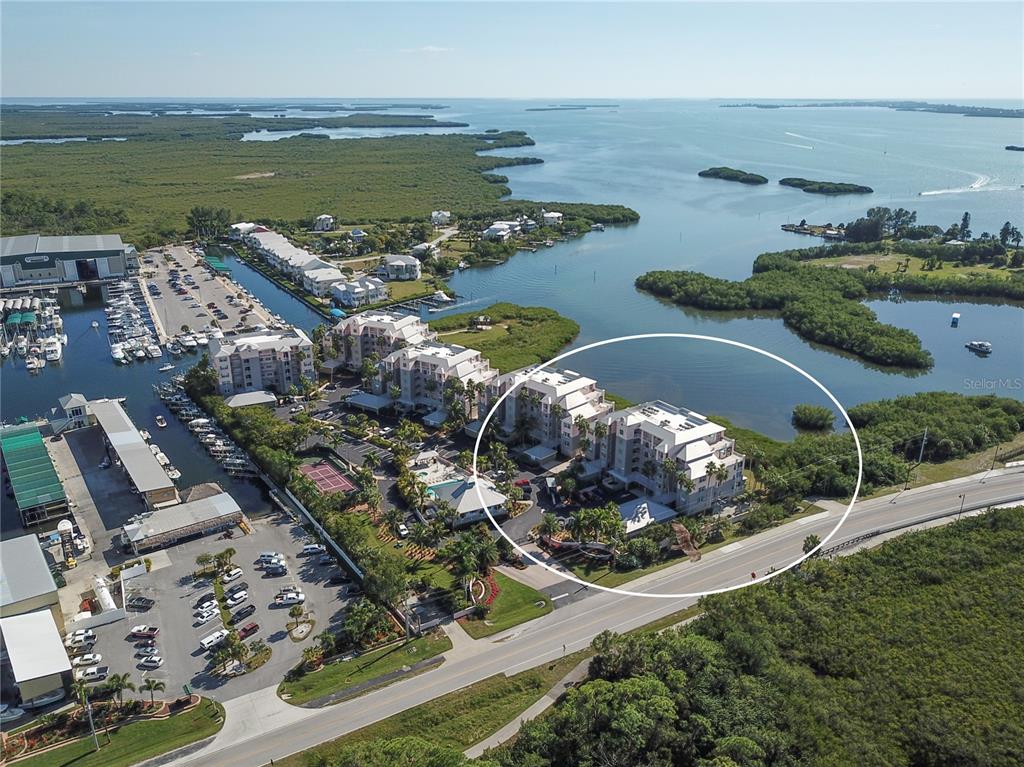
[[188, 342], [979, 347], [162, 459], [94, 324], [198, 422], [34, 363], [21, 345], [166, 368], [154, 351], [161, 422], [174, 349], [173, 473], [154, 448], [5, 349], [145, 434], [140, 353], [52, 349], [202, 340]]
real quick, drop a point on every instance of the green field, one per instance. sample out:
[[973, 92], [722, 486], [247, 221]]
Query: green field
[[516, 603], [887, 262], [459, 719], [137, 742], [519, 336], [338, 676]]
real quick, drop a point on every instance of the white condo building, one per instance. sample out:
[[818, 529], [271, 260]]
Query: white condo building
[[545, 405], [644, 439], [281, 254], [375, 332], [257, 361], [423, 371]]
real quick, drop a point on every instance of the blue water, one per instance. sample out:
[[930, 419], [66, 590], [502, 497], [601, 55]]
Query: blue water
[[646, 155]]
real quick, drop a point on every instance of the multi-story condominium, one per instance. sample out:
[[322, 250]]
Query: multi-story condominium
[[256, 361], [663, 448], [422, 372], [276, 250], [360, 291], [545, 405], [375, 332]]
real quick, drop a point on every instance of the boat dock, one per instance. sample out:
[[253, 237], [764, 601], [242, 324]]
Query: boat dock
[[827, 232]]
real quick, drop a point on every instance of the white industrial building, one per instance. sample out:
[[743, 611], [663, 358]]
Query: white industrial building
[[31, 259]]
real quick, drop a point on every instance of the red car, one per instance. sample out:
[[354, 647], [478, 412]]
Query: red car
[[248, 630], [522, 482]]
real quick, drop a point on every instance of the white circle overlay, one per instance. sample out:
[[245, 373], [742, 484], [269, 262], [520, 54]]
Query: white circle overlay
[[565, 575]]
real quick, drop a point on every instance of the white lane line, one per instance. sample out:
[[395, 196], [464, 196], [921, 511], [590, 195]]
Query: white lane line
[[560, 596]]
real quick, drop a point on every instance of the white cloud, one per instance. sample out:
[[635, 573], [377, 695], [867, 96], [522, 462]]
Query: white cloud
[[429, 49]]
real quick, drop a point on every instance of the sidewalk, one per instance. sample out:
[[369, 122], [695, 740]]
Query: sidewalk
[[578, 674]]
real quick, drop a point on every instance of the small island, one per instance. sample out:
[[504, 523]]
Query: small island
[[825, 187], [732, 174], [1014, 148]]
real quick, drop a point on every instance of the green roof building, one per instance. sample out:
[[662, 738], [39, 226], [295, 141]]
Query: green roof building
[[30, 476]]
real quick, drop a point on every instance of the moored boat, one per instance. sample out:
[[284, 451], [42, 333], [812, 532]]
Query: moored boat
[[979, 347], [161, 422]]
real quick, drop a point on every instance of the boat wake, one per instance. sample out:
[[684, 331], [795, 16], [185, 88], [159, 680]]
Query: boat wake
[[981, 183]]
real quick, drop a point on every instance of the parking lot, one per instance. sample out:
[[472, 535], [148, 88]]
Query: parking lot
[[175, 595], [194, 296]]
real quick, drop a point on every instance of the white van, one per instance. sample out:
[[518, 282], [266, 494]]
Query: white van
[[313, 548], [268, 556], [208, 643]]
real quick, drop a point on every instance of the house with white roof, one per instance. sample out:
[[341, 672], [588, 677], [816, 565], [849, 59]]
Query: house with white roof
[[376, 332], [323, 223], [239, 230], [423, 372], [262, 360], [551, 218], [398, 267], [318, 281], [424, 251], [441, 217], [359, 291], [545, 406], [496, 232], [656, 445]]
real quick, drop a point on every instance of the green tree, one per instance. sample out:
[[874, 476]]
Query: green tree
[[811, 542], [152, 686], [116, 684]]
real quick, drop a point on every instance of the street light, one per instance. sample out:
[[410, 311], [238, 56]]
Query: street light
[[962, 497]]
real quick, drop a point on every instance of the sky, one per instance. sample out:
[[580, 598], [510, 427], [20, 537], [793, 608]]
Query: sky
[[942, 50]]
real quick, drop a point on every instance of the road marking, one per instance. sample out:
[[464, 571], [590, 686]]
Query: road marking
[[731, 547], [560, 596]]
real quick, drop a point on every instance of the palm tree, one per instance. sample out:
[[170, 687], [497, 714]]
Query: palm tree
[[548, 524], [296, 612], [117, 684], [204, 560], [371, 461], [152, 686], [600, 434], [80, 689], [487, 554]]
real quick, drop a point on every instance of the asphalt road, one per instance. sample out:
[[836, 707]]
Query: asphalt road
[[259, 727]]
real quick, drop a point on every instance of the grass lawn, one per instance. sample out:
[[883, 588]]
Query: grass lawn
[[887, 262], [338, 676], [438, 574], [516, 603], [136, 742], [520, 335], [407, 288], [461, 718]]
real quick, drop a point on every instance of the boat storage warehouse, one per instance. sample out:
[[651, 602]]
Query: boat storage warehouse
[[31, 259]]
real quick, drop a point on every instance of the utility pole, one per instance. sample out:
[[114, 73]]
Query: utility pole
[[92, 727], [963, 498], [920, 458]]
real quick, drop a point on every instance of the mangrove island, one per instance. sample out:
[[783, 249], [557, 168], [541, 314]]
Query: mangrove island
[[732, 174], [825, 187]]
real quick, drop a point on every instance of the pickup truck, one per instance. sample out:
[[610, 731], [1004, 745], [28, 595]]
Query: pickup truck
[[290, 598], [144, 632], [92, 673]]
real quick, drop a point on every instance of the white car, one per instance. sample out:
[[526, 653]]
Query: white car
[[232, 575], [206, 609], [297, 409], [89, 659], [92, 673], [236, 599], [207, 617], [214, 639], [81, 637], [403, 531], [290, 598], [153, 661]]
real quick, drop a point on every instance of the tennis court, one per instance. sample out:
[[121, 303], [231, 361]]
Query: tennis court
[[327, 477]]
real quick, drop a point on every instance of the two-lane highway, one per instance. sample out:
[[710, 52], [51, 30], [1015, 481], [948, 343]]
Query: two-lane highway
[[260, 727]]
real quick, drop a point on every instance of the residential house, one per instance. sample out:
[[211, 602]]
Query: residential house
[[423, 372], [360, 291], [441, 217], [357, 235], [545, 405], [263, 360], [376, 332], [397, 267], [661, 448], [323, 223], [318, 281], [551, 218], [496, 233], [424, 251], [239, 230]]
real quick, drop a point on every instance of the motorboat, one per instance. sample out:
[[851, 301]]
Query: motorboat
[[154, 351], [162, 459], [979, 347], [34, 363], [5, 349], [166, 368], [188, 342], [94, 324], [955, 320], [145, 434], [198, 422], [172, 473], [21, 345], [201, 339], [174, 349], [140, 353], [154, 448], [52, 349], [161, 422]]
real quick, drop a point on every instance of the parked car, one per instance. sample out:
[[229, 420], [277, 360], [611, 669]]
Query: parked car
[[205, 600], [81, 638], [276, 570], [338, 578], [92, 673], [248, 630], [325, 559], [153, 661], [296, 409], [89, 659], [202, 620], [139, 602], [214, 639], [145, 632], [243, 586], [146, 643], [232, 575], [241, 614], [237, 599], [524, 482], [290, 598], [313, 548], [403, 531], [268, 556], [146, 652]]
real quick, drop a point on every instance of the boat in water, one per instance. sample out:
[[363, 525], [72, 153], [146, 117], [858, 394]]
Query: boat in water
[[52, 349], [979, 347], [94, 324], [954, 322], [166, 368], [161, 422], [21, 345], [33, 363], [154, 351], [188, 343], [174, 349]]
